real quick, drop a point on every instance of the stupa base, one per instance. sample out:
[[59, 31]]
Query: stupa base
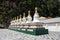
[[33, 31]]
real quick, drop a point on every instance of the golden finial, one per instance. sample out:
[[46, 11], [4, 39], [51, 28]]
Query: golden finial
[[28, 12], [35, 9], [24, 14]]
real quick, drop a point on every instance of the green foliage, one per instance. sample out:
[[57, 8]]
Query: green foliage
[[45, 8]]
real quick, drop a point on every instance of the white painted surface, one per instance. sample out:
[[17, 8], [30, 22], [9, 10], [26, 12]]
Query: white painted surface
[[52, 27], [48, 23], [52, 20], [58, 28], [6, 34]]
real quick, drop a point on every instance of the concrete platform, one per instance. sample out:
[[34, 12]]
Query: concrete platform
[[6, 34]]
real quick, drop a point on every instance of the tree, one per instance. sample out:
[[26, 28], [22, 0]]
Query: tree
[[12, 8]]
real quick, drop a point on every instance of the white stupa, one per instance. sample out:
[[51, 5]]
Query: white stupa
[[36, 20], [20, 20], [36, 16], [23, 19], [15, 21], [12, 23], [29, 18]]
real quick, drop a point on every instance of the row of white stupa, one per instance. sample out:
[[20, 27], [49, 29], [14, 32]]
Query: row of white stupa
[[52, 24], [29, 18]]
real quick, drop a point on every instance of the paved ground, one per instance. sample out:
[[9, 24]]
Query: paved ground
[[6, 34]]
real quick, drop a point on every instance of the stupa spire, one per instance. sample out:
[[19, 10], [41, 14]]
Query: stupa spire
[[23, 14], [35, 9], [29, 13]]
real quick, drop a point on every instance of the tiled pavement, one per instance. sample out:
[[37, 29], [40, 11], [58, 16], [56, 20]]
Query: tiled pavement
[[6, 34]]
